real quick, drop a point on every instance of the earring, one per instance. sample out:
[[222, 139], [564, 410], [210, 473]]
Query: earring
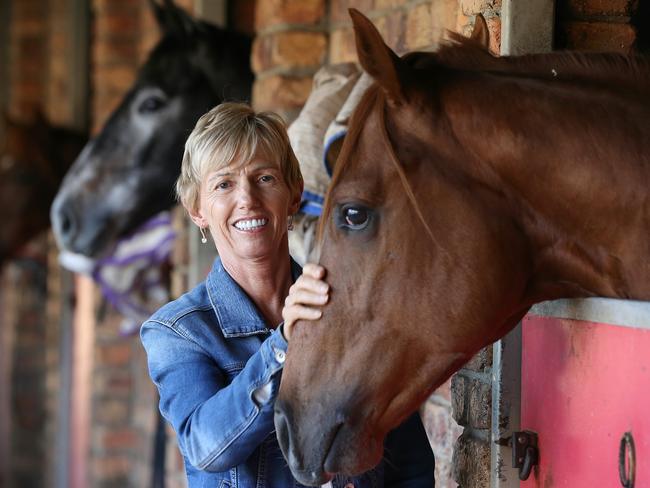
[[290, 225], [203, 238]]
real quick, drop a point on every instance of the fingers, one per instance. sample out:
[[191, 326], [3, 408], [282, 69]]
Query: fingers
[[305, 298], [313, 270], [297, 312], [308, 291]]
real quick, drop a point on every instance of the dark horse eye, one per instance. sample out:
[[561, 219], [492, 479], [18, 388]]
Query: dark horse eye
[[354, 217], [151, 104]]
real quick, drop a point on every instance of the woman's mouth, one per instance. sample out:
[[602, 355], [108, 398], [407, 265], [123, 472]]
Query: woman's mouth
[[251, 224]]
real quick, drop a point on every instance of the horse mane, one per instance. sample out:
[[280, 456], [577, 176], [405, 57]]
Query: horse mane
[[631, 71]]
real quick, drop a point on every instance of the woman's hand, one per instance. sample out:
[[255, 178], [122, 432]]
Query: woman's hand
[[306, 296]]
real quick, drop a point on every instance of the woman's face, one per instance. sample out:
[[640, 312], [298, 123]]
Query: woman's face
[[246, 207]]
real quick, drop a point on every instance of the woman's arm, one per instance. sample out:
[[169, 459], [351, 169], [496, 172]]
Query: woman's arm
[[218, 425]]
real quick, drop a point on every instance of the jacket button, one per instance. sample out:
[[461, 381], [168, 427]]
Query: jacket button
[[280, 355]]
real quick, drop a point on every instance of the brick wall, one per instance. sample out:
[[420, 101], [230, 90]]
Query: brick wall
[[23, 282], [124, 401], [290, 45], [596, 25]]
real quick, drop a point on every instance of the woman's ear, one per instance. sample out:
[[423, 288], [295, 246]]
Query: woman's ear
[[296, 199], [197, 218]]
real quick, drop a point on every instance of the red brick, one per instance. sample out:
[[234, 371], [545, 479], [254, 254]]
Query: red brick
[[419, 33], [115, 51], [109, 411], [581, 8], [114, 355], [111, 467], [119, 439], [273, 12], [102, 7], [473, 7], [29, 27], [443, 17], [117, 23], [339, 9], [114, 78], [388, 4], [342, 46], [281, 92], [392, 27], [289, 49], [494, 29], [599, 36]]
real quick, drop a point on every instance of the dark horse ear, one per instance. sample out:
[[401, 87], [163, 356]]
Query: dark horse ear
[[481, 34], [172, 19], [376, 58]]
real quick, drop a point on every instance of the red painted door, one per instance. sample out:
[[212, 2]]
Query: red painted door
[[584, 385]]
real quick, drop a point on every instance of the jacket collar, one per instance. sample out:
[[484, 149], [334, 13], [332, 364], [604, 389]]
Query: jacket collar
[[236, 312]]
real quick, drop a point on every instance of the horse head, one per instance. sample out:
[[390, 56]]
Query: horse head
[[439, 232], [34, 160], [127, 172]]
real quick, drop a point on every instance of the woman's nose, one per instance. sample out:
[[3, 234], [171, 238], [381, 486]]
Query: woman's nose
[[246, 194]]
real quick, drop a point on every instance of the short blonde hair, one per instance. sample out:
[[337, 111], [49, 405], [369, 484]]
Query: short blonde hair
[[233, 132]]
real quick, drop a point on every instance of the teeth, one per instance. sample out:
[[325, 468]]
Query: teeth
[[251, 224]]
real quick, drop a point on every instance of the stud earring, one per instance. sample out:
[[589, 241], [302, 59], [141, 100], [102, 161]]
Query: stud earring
[[203, 238], [290, 224]]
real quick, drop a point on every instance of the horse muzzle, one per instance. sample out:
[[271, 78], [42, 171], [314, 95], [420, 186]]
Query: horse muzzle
[[317, 447]]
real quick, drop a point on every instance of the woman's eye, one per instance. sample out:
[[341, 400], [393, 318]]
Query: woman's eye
[[224, 185], [266, 178]]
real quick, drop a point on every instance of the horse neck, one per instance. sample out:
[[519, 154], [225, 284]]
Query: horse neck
[[571, 163]]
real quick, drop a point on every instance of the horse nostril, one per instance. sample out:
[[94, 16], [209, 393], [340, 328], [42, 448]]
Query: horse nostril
[[282, 430], [283, 434]]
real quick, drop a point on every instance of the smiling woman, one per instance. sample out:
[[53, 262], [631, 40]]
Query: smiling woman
[[217, 353]]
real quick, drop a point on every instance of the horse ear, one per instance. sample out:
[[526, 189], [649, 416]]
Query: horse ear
[[376, 58], [481, 34], [172, 19]]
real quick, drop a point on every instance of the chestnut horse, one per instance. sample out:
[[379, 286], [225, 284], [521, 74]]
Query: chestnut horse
[[33, 161], [126, 174], [468, 188]]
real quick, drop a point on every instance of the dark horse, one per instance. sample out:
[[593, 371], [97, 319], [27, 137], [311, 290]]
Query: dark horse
[[126, 174], [468, 188], [34, 159]]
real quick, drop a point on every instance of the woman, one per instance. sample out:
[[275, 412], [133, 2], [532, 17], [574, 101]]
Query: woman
[[216, 353]]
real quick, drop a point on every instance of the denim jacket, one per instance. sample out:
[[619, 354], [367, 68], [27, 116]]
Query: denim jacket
[[217, 367]]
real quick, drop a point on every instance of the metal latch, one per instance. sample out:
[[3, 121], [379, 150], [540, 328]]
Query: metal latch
[[525, 453]]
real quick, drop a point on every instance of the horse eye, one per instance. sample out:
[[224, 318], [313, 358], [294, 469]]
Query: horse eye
[[354, 217], [151, 104]]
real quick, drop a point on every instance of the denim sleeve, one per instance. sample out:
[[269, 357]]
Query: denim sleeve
[[218, 425], [408, 458]]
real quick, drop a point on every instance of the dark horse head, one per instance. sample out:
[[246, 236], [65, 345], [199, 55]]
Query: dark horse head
[[127, 172], [34, 159], [467, 188]]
